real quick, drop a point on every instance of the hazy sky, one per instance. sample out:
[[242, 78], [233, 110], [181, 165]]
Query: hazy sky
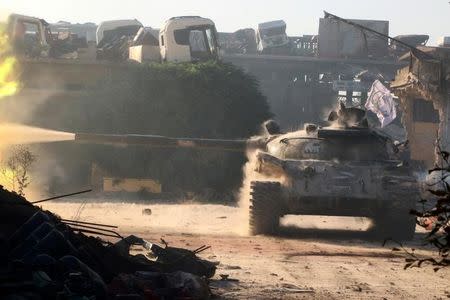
[[406, 17]]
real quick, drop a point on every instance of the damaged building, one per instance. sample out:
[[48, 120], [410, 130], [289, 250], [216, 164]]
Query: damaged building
[[424, 97]]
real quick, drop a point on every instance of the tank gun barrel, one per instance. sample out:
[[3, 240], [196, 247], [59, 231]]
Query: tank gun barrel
[[158, 141]]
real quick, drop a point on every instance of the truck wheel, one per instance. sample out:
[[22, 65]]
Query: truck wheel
[[399, 225], [265, 207]]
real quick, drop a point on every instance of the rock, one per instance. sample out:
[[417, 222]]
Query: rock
[[147, 211]]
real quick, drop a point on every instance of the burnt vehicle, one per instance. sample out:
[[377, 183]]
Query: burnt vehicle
[[342, 169]]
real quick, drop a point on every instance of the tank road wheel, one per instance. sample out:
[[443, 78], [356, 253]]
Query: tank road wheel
[[397, 224], [394, 220], [265, 207]]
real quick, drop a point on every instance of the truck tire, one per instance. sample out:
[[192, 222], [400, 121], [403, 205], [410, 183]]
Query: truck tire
[[397, 225], [265, 207]]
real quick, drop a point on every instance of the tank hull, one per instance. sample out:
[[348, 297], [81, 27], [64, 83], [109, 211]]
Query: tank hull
[[384, 191]]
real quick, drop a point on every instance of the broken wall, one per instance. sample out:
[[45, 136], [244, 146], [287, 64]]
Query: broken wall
[[426, 78]]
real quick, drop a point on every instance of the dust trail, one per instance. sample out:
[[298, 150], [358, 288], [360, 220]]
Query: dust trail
[[250, 174], [13, 134], [248, 171]]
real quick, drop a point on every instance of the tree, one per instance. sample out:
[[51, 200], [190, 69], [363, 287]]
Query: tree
[[15, 168]]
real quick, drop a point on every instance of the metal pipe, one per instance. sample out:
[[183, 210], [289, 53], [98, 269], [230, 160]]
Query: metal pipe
[[95, 232], [61, 196], [199, 248], [94, 228], [202, 249], [88, 223]]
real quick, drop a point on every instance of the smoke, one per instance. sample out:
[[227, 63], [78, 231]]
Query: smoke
[[15, 134], [20, 108], [4, 13], [18, 103]]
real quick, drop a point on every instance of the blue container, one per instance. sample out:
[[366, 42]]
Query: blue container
[[31, 241], [27, 228]]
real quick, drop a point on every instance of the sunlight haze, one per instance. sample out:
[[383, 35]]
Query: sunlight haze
[[405, 17]]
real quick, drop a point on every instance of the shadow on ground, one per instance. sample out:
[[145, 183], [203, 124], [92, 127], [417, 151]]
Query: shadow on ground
[[340, 236]]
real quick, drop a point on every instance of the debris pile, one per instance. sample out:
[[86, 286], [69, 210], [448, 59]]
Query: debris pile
[[45, 257]]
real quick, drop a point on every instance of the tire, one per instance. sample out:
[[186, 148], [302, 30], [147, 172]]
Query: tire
[[265, 207]]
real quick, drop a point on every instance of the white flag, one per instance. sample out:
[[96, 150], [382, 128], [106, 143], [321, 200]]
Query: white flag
[[381, 102]]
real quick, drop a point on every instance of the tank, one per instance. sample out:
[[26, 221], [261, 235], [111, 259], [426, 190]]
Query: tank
[[342, 168]]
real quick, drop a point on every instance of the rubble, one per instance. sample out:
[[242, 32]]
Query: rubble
[[46, 257]]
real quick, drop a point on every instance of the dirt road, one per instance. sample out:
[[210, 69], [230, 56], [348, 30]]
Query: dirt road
[[330, 263]]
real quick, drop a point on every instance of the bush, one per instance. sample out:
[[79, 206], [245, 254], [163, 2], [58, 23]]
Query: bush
[[438, 212], [208, 100], [434, 217]]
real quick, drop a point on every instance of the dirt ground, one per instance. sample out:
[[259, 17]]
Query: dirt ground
[[328, 260]]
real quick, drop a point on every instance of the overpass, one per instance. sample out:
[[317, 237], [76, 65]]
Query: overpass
[[299, 89]]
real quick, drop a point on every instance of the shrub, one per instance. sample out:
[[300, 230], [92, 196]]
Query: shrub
[[208, 100]]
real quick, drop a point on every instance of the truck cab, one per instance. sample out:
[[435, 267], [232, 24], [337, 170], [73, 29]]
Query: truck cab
[[109, 30], [30, 36], [271, 36], [188, 38]]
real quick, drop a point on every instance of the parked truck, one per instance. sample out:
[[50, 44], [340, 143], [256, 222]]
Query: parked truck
[[29, 36], [182, 39], [189, 38]]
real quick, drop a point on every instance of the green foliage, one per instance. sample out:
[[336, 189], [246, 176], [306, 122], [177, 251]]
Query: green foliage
[[438, 214], [209, 100], [434, 217]]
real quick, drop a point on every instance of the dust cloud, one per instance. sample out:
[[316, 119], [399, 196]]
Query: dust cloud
[[15, 134], [12, 135], [249, 174]]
